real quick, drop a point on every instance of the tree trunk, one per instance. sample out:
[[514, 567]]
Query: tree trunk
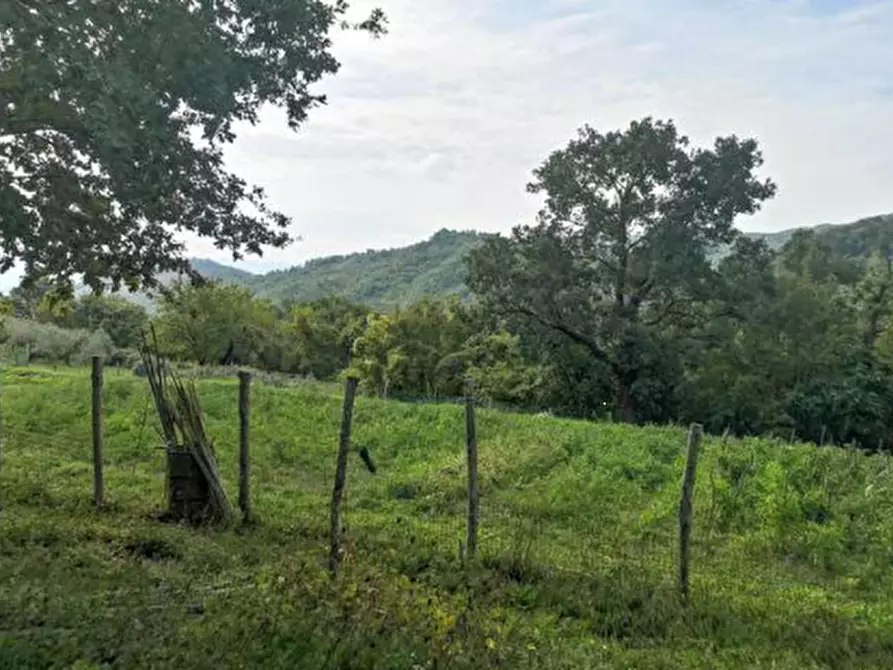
[[623, 400]]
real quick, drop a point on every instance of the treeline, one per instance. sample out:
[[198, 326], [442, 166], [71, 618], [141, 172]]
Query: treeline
[[795, 342], [614, 302]]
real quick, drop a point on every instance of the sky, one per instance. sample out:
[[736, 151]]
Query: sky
[[440, 123]]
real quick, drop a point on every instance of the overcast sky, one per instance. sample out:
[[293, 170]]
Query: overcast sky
[[440, 123]]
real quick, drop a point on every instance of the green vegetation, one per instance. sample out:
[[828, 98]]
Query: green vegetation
[[381, 279], [436, 267], [620, 249], [612, 304], [791, 555], [632, 296], [851, 240], [113, 145], [790, 342]]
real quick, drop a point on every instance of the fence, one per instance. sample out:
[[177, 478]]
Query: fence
[[463, 520], [475, 499]]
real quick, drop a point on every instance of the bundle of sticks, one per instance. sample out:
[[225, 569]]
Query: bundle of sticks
[[182, 422]]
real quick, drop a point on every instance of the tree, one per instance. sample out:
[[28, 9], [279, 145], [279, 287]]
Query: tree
[[620, 248], [214, 324], [415, 349], [874, 296], [114, 119], [322, 334], [734, 358], [123, 321], [788, 346]]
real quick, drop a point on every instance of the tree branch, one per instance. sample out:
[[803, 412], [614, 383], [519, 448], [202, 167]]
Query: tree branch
[[577, 337]]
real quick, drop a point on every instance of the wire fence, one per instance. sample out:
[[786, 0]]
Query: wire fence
[[544, 500]]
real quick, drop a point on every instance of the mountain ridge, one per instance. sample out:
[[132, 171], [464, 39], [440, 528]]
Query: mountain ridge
[[386, 278]]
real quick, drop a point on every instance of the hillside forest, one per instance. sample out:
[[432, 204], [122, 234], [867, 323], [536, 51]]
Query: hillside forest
[[614, 303]]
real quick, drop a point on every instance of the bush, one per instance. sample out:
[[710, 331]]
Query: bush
[[28, 341]]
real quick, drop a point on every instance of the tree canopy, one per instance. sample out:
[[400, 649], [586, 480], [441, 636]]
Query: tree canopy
[[114, 119], [621, 247]]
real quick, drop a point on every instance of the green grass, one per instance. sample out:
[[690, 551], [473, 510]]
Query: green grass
[[792, 550]]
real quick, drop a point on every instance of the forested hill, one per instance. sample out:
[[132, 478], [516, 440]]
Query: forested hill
[[851, 240], [377, 278], [386, 278]]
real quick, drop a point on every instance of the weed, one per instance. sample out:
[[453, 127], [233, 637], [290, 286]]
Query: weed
[[791, 557]]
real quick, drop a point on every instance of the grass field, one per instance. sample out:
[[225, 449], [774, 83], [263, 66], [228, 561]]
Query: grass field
[[793, 546]]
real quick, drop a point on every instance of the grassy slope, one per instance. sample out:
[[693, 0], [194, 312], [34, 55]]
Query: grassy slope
[[793, 546]]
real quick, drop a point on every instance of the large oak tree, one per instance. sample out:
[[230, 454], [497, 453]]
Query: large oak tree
[[621, 248], [113, 115]]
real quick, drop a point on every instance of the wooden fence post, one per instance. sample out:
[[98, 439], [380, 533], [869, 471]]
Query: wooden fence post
[[472, 453], [685, 508], [244, 457], [1, 418], [98, 481], [350, 394]]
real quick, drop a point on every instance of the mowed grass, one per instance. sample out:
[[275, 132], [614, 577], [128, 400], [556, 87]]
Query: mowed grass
[[792, 548]]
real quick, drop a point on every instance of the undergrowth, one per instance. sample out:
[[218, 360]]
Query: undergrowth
[[792, 547]]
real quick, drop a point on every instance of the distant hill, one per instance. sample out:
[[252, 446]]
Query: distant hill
[[386, 278], [848, 240], [381, 279], [214, 270]]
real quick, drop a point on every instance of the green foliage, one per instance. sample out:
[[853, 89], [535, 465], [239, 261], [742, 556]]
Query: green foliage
[[431, 348], [791, 543], [620, 249], [214, 323], [113, 144], [795, 345], [28, 341], [321, 336], [122, 320], [381, 279]]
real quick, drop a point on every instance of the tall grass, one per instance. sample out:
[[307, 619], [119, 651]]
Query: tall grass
[[792, 545]]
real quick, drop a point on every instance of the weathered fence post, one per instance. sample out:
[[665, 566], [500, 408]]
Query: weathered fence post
[[685, 507], [350, 393], [244, 457], [472, 453], [98, 481], [1, 418]]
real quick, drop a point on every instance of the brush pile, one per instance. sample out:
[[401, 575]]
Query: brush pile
[[183, 427]]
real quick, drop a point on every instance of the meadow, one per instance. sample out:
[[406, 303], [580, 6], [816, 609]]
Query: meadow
[[792, 544]]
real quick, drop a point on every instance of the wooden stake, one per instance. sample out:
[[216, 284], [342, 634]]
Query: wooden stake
[[350, 394], [1, 419], [244, 457], [98, 480], [685, 508], [472, 453]]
